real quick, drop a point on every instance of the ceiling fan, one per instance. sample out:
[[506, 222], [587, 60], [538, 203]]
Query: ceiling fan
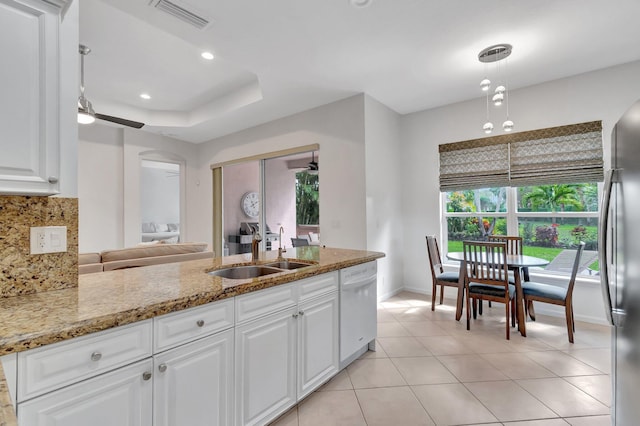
[[86, 114], [312, 167]]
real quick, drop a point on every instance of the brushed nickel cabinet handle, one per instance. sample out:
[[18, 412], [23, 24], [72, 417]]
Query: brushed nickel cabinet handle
[[146, 375], [200, 323], [96, 356]]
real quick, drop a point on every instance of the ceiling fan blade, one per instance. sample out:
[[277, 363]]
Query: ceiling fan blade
[[118, 120]]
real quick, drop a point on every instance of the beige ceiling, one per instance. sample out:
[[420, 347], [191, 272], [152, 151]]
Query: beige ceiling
[[278, 57]]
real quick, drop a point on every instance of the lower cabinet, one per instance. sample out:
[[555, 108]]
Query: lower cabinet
[[121, 397], [265, 367], [196, 370], [317, 342], [193, 384], [283, 356]]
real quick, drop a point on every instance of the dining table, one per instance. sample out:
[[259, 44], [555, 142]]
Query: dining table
[[515, 263]]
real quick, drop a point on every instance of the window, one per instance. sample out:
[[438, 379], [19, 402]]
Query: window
[[539, 184], [549, 218]]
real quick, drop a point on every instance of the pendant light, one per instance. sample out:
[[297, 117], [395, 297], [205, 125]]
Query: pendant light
[[495, 54]]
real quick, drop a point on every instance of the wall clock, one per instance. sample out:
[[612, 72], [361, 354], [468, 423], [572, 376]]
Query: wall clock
[[250, 204]]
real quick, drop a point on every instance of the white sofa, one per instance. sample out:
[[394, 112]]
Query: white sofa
[[168, 232], [142, 255]]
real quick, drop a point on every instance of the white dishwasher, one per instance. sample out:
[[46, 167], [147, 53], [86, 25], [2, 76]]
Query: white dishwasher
[[358, 310]]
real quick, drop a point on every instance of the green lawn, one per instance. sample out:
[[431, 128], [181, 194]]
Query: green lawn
[[547, 253]]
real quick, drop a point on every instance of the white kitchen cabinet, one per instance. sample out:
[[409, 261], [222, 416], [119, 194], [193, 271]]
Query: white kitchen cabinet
[[120, 398], [317, 342], [265, 367], [193, 383], [29, 104], [288, 349]]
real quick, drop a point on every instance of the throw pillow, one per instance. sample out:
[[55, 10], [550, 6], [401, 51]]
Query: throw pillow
[[161, 227], [148, 227]]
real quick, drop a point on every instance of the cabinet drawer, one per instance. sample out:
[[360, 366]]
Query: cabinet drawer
[[263, 302], [50, 367], [318, 285], [181, 327]]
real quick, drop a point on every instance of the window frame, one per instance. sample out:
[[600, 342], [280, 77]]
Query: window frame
[[512, 215]]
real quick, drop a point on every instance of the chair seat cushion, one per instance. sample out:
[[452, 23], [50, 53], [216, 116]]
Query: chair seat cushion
[[530, 288], [448, 276], [490, 290]]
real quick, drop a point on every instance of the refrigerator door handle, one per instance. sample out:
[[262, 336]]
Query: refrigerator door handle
[[602, 238]]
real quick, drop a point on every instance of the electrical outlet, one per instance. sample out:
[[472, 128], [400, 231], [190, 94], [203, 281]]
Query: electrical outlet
[[48, 239]]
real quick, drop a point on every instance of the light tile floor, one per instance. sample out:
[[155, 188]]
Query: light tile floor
[[429, 370]]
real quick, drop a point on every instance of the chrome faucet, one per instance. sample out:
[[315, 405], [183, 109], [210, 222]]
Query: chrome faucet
[[255, 244], [280, 249]]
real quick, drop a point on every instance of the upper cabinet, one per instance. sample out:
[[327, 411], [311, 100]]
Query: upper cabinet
[[30, 96]]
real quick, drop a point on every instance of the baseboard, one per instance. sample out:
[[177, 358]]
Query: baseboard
[[546, 309], [416, 290], [383, 297]]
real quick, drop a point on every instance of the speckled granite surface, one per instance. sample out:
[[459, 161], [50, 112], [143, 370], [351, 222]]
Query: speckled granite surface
[[22, 273], [7, 414], [108, 299]]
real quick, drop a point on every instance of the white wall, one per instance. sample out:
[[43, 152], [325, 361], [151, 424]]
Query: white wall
[[160, 195], [69, 88], [100, 188], [280, 191], [238, 179], [600, 95], [339, 129], [109, 185], [384, 199]]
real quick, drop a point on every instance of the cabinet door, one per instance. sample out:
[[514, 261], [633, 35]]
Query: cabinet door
[[193, 384], [120, 398], [265, 367], [29, 103], [317, 342]]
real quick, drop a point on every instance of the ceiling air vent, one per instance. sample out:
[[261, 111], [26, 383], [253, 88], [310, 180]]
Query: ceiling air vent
[[182, 13]]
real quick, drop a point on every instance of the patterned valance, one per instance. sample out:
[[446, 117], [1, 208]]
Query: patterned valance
[[564, 154]]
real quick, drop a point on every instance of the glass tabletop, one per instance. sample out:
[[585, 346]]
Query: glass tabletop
[[513, 260]]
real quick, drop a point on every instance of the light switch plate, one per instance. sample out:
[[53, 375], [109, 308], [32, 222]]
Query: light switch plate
[[48, 239]]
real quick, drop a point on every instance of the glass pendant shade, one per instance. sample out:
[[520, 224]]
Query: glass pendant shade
[[84, 118], [485, 84], [507, 125], [488, 127], [501, 89], [497, 99]]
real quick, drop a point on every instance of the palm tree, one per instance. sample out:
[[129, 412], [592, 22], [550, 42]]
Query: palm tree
[[553, 197]]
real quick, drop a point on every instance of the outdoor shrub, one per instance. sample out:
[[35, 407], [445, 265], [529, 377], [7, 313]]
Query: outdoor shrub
[[547, 236], [527, 233], [579, 233], [501, 227]]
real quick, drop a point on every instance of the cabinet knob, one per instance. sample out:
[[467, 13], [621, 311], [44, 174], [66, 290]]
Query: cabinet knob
[[295, 315], [146, 375], [301, 313], [162, 367], [53, 179], [200, 323], [96, 356]]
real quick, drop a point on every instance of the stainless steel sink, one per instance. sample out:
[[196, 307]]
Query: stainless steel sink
[[245, 272], [288, 264]]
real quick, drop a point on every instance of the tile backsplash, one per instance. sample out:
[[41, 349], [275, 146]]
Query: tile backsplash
[[23, 273]]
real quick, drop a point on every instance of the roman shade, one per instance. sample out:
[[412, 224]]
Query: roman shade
[[564, 154]]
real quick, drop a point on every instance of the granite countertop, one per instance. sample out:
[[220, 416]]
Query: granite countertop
[[109, 299]]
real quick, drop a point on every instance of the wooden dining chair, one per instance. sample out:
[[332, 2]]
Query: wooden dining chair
[[438, 276], [554, 294], [486, 277], [514, 246]]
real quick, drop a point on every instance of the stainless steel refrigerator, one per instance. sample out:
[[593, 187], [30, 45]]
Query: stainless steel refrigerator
[[620, 265]]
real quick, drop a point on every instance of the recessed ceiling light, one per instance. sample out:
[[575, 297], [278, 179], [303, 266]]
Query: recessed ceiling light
[[145, 96], [207, 55]]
